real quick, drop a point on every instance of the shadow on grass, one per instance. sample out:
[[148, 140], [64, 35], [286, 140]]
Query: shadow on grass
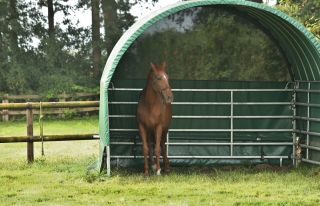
[[303, 169], [210, 170]]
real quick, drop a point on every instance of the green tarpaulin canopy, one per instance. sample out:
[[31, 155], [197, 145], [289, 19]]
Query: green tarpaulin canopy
[[301, 48]]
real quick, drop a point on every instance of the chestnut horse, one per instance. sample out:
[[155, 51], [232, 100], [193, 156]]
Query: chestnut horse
[[154, 116]]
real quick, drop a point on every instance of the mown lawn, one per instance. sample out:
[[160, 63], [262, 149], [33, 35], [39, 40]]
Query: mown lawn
[[61, 178]]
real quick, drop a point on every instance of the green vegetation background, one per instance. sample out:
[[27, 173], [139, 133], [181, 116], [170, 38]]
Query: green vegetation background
[[222, 45]]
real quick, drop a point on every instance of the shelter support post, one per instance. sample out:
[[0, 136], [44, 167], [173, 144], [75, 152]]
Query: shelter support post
[[308, 121], [108, 160], [294, 124], [231, 123]]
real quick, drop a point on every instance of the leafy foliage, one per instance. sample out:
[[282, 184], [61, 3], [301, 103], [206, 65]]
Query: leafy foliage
[[31, 62], [306, 11], [206, 43]]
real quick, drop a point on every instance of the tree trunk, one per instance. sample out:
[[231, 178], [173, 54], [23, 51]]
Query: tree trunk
[[111, 29], [51, 20], [96, 50], [1, 50], [51, 50], [13, 22]]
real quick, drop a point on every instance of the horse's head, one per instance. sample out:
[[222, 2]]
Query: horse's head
[[160, 82]]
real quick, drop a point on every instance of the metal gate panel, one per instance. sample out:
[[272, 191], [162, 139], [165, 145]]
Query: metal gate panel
[[213, 122], [308, 120]]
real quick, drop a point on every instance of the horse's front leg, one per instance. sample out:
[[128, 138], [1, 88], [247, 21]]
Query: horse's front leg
[[143, 135], [151, 159], [164, 153], [158, 136]]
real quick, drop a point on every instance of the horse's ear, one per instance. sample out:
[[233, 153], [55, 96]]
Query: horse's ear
[[153, 67], [164, 66]]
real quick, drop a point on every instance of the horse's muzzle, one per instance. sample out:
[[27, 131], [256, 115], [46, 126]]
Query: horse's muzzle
[[167, 96], [169, 99]]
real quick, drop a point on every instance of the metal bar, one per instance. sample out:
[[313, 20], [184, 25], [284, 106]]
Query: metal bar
[[108, 160], [294, 122], [122, 116], [310, 161], [262, 103], [228, 143], [310, 147], [213, 103], [200, 103], [307, 91], [305, 81], [231, 124], [209, 90], [306, 118], [307, 105], [214, 143], [308, 122], [306, 132], [204, 157], [211, 117], [167, 144], [211, 130], [262, 117]]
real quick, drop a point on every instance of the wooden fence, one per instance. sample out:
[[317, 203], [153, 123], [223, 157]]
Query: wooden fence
[[30, 138], [6, 98]]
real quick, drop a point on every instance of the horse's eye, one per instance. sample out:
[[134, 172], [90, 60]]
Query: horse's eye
[[159, 78]]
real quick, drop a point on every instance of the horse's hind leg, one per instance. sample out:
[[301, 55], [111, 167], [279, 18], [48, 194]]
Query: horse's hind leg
[[143, 135]]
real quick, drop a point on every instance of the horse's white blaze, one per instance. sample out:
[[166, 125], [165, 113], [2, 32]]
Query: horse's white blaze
[[165, 77]]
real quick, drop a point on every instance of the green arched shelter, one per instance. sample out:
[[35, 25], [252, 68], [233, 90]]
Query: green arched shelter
[[301, 48]]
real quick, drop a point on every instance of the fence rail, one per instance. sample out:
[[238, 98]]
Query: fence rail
[[6, 98], [46, 138], [30, 138], [39, 97]]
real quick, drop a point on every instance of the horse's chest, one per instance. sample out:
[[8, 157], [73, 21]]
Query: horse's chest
[[156, 116]]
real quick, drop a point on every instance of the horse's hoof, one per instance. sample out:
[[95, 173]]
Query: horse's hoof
[[154, 167], [159, 172]]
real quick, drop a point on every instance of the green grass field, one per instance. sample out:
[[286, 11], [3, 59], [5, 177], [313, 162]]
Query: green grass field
[[61, 177]]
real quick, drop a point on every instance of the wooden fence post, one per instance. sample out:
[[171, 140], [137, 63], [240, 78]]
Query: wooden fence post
[[30, 152], [63, 98], [5, 112]]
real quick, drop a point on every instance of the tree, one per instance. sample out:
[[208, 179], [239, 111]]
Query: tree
[[117, 19], [50, 19], [96, 50], [13, 26], [112, 31], [210, 43], [306, 11]]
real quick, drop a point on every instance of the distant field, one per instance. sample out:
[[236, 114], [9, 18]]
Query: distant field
[[83, 125], [53, 149], [61, 178]]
